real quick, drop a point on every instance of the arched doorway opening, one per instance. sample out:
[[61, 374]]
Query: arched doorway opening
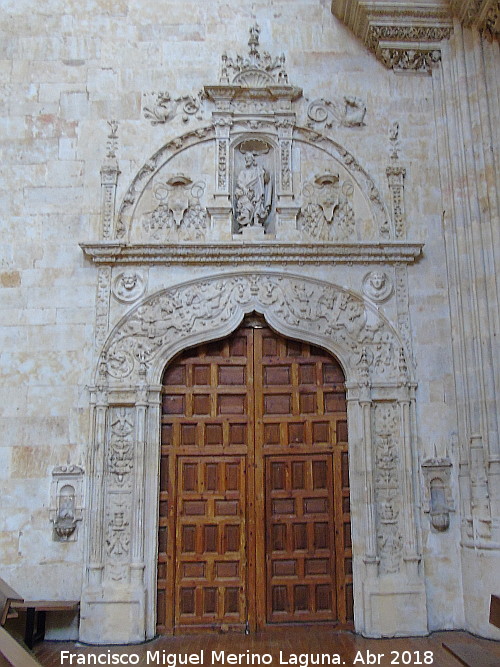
[[254, 525]]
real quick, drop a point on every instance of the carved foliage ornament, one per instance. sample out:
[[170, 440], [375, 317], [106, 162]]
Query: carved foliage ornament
[[161, 107], [350, 112], [299, 304], [416, 60]]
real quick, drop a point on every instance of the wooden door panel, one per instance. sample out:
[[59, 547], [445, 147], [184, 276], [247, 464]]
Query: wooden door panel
[[254, 491], [211, 543], [300, 556]]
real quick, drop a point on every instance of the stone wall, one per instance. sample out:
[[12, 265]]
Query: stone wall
[[70, 69]]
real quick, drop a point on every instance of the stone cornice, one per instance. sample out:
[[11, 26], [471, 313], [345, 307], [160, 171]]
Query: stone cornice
[[406, 35], [236, 253]]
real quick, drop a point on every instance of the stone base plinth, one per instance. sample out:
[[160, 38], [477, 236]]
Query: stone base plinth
[[113, 617], [394, 607]]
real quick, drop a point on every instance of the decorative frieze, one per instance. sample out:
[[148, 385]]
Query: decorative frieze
[[413, 60]]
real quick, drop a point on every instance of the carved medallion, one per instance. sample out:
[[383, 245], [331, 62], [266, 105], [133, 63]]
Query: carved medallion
[[377, 286], [128, 286]]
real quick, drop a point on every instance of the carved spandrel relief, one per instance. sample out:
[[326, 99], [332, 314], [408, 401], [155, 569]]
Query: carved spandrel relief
[[172, 205], [179, 214], [327, 211], [298, 303]]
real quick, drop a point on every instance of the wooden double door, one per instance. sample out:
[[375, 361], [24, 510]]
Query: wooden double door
[[254, 524]]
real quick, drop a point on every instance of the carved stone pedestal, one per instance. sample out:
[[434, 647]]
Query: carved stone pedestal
[[252, 234]]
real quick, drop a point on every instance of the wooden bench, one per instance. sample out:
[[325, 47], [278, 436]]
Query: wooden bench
[[11, 603]]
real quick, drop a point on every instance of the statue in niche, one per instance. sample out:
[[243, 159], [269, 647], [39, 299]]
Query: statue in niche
[[253, 191]]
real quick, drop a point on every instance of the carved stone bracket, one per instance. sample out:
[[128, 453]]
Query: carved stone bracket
[[481, 14]]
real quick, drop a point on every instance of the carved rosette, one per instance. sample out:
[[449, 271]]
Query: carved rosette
[[388, 498], [300, 305]]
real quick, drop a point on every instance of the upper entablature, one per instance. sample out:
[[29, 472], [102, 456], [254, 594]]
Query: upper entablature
[[406, 35]]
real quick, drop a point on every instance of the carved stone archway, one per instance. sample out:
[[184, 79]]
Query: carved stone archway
[[118, 598]]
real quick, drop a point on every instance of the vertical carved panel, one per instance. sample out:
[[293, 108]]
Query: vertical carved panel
[[286, 165], [119, 470], [396, 175], [222, 149], [402, 304], [109, 178], [102, 304], [387, 486]]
